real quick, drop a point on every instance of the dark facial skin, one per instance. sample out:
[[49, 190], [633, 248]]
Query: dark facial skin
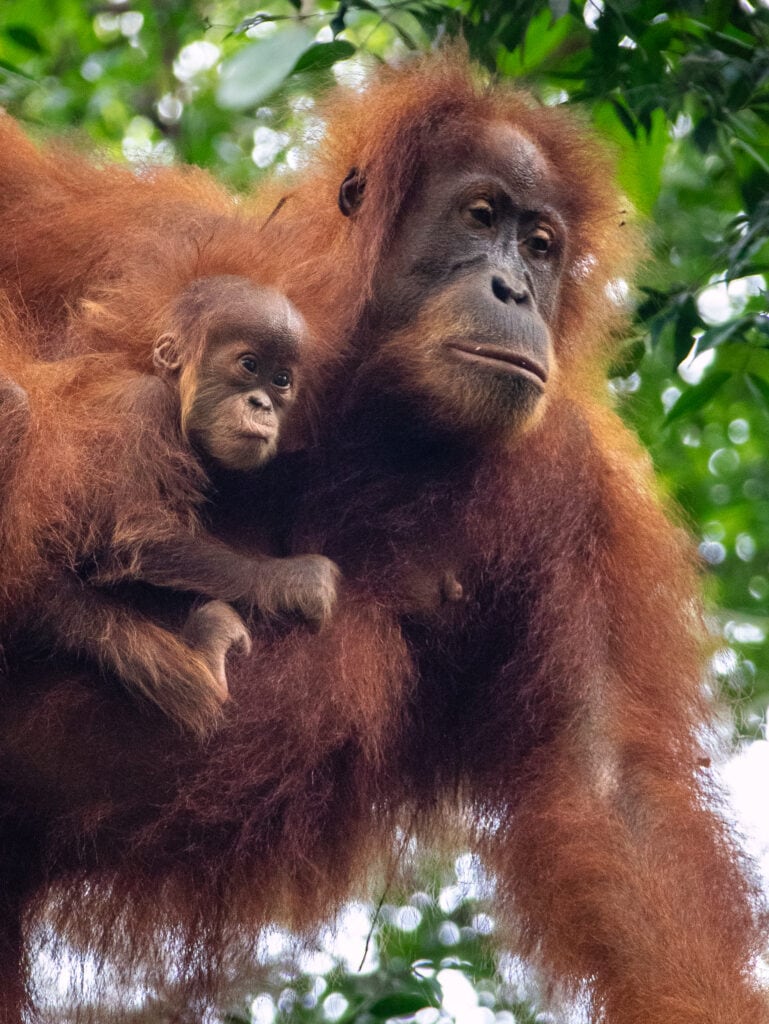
[[235, 402], [474, 275]]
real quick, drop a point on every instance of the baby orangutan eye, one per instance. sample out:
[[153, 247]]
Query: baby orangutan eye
[[282, 380], [249, 363], [480, 211], [540, 241]]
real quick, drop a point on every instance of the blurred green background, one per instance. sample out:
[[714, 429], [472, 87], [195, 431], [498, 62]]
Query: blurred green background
[[682, 94]]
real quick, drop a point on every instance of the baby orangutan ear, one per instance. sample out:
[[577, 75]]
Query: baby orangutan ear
[[351, 191], [166, 356]]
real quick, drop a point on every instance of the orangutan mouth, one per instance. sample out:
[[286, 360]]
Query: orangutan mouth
[[471, 352]]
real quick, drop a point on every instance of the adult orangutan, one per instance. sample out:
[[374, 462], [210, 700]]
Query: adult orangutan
[[463, 429]]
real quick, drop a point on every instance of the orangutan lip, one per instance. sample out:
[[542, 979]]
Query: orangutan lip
[[257, 434], [497, 354]]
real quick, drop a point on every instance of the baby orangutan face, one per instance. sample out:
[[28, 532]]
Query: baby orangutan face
[[235, 349]]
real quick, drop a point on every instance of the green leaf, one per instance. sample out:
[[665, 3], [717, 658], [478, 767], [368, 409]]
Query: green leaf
[[400, 1004], [758, 363], [25, 37], [323, 55], [699, 395], [256, 71], [715, 336], [687, 319], [731, 45], [759, 387], [628, 358], [750, 269], [705, 134], [11, 69], [545, 35], [736, 358], [625, 117], [406, 37], [641, 151], [717, 12]]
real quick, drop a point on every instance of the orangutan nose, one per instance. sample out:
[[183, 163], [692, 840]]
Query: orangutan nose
[[507, 290]]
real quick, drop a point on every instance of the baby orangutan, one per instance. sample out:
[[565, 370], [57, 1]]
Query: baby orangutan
[[225, 380]]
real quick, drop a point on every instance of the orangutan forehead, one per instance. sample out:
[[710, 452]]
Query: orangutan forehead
[[515, 156], [273, 326], [508, 154], [226, 308]]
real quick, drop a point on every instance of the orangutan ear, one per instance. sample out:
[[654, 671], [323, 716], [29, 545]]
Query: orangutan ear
[[351, 191], [166, 355]]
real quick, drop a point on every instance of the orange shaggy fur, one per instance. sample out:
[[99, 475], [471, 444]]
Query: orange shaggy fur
[[559, 706]]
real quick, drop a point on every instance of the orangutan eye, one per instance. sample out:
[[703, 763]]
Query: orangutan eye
[[481, 211], [540, 241], [282, 380], [249, 364]]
